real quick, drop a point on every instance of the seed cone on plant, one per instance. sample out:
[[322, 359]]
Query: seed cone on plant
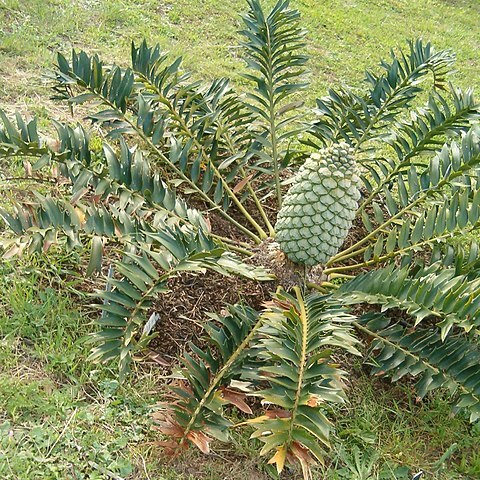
[[319, 208]]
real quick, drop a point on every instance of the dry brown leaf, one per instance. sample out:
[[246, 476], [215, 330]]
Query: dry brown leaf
[[28, 168], [240, 185], [200, 440], [168, 426], [81, 215], [157, 358], [277, 413], [53, 144], [279, 458], [11, 252], [46, 245], [302, 455], [237, 399]]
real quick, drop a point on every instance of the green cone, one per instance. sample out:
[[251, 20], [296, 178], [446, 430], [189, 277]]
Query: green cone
[[320, 206]]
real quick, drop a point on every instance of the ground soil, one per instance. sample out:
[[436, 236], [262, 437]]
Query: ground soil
[[183, 311]]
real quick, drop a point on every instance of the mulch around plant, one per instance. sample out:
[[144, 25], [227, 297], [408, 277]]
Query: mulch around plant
[[184, 310]]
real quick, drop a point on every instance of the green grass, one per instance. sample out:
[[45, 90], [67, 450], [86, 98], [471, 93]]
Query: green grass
[[388, 426], [345, 37], [62, 417]]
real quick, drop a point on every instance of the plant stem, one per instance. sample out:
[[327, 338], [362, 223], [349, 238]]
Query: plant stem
[[253, 194], [271, 230], [341, 275], [349, 255], [302, 362], [29, 179], [272, 124], [232, 246], [383, 258], [261, 210], [315, 287]]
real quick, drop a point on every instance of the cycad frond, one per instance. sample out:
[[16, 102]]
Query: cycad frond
[[115, 196], [464, 257], [433, 291], [429, 126], [19, 136], [197, 413], [296, 345], [272, 43], [185, 117], [144, 277], [450, 363], [356, 119], [211, 115]]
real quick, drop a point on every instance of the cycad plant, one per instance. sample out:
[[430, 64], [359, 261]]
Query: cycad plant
[[372, 236]]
